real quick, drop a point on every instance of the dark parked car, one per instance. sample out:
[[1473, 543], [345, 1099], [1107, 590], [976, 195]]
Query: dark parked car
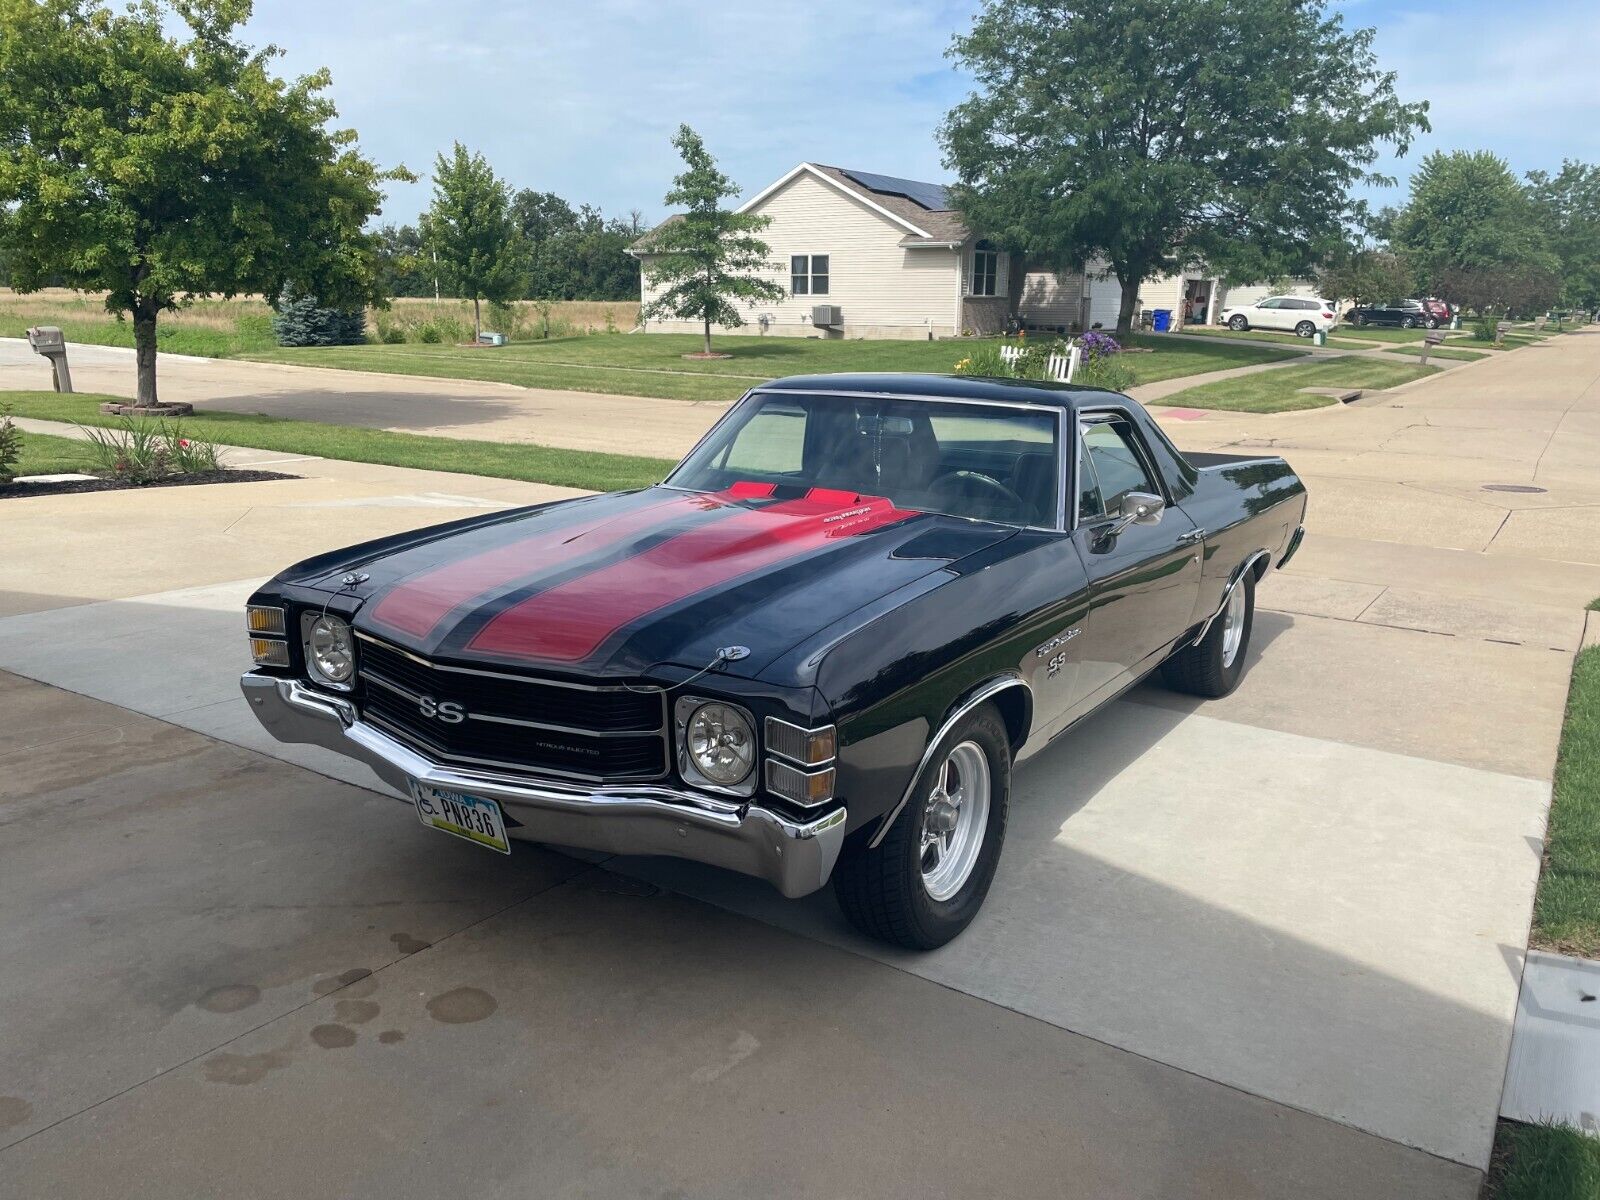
[[1407, 314], [815, 651]]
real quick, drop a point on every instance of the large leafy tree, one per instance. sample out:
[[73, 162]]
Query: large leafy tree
[[1367, 276], [705, 261], [471, 227], [1157, 133], [1568, 204], [160, 166], [1469, 224]]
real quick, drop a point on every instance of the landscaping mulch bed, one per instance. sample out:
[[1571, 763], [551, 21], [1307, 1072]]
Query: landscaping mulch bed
[[12, 491]]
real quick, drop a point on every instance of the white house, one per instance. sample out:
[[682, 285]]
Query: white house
[[865, 255], [888, 254]]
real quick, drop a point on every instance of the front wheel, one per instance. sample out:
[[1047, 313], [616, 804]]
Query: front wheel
[[1213, 667], [1433, 322], [1358, 320], [1238, 324], [1305, 329], [927, 879]]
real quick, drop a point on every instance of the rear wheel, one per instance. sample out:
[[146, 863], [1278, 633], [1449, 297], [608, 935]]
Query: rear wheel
[[1358, 319], [1238, 324], [1408, 322], [1214, 666], [927, 879], [1305, 329], [1433, 322]]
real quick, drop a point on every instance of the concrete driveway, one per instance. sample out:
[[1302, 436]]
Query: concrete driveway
[[1263, 946]]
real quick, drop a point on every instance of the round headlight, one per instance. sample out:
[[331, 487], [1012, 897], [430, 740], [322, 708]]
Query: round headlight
[[330, 650], [722, 745]]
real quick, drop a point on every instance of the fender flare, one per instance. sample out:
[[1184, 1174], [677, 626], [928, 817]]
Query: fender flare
[[968, 701], [1233, 582]]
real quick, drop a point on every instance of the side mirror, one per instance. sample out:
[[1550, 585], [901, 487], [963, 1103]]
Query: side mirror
[[1143, 508], [1138, 508]]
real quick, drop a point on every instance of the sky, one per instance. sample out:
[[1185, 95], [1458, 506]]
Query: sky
[[580, 97]]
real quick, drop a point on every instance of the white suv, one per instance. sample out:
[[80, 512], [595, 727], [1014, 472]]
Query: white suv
[[1302, 315]]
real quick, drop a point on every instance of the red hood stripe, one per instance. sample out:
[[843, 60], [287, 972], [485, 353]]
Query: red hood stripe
[[415, 606], [569, 622]]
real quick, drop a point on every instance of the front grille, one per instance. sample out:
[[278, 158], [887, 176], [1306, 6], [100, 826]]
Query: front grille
[[606, 734]]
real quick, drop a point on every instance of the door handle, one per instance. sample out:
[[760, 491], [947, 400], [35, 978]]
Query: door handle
[[1192, 536]]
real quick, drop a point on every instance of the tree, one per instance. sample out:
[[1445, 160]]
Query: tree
[[1568, 205], [704, 260], [159, 168], [470, 226], [1366, 276], [1468, 222], [1158, 133]]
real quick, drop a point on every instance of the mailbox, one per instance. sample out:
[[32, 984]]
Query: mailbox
[[49, 341], [1429, 341]]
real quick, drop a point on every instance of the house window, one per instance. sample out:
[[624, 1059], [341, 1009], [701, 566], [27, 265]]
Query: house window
[[808, 275], [985, 271]]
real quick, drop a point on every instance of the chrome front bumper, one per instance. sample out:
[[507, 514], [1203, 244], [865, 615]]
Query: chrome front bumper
[[795, 857]]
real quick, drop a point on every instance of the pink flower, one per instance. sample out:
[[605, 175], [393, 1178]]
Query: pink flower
[[184, 442]]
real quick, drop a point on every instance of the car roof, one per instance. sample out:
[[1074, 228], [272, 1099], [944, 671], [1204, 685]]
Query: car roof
[[946, 387]]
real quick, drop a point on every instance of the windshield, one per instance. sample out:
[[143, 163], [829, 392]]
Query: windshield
[[986, 462]]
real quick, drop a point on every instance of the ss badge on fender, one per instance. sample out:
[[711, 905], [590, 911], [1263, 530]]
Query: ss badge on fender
[[1057, 661]]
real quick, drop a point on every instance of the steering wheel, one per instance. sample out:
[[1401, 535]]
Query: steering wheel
[[957, 483]]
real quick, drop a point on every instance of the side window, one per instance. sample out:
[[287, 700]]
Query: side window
[[1273, 303], [771, 443], [1118, 465], [1090, 505]]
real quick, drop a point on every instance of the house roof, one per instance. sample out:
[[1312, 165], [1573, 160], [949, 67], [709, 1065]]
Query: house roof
[[905, 202]]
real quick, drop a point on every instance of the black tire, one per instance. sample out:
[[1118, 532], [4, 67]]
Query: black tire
[[1204, 670], [1358, 319], [881, 891], [1305, 329], [1238, 324], [1408, 322], [1433, 322]]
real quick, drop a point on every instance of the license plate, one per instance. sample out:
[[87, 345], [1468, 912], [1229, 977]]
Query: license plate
[[466, 816]]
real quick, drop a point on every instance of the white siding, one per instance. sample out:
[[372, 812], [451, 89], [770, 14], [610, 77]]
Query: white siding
[[1051, 299], [1249, 293], [882, 288], [1164, 291]]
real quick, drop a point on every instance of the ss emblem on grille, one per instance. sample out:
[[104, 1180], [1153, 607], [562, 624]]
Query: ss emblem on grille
[[447, 710]]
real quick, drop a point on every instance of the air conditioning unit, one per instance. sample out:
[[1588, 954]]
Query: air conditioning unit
[[825, 316]]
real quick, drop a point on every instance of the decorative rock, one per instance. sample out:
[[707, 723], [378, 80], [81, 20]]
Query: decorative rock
[[154, 410], [54, 478]]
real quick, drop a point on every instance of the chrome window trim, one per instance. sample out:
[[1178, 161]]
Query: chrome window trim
[[766, 738], [682, 710], [1146, 460], [985, 692]]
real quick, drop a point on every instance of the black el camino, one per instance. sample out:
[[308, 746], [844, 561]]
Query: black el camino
[[814, 651]]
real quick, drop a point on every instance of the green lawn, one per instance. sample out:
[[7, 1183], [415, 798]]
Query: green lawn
[[1566, 915], [653, 364], [1265, 335], [1543, 1162], [1279, 391], [46, 454], [1450, 351], [1382, 333], [536, 464]]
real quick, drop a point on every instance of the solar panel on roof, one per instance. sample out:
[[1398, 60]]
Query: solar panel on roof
[[929, 195]]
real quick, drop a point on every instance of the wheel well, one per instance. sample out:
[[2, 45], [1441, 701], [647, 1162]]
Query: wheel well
[[1260, 566], [1015, 705]]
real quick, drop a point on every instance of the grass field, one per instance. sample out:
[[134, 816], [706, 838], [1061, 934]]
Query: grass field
[[46, 454], [1267, 335], [535, 464], [1566, 914], [653, 364], [1279, 391], [1451, 351], [1543, 1162], [1381, 333]]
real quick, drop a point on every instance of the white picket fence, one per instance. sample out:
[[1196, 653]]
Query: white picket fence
[[1059, 367]]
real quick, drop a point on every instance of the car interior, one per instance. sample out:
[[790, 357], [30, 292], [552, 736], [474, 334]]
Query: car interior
[[983, 462]]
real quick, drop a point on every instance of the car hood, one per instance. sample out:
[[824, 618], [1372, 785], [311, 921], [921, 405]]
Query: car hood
[[614, 585]]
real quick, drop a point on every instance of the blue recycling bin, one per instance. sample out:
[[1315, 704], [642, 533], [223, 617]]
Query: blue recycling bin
[[1161, 322]]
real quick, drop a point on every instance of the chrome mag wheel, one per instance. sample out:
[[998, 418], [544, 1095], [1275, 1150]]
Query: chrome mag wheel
[[1233, 625], [956, 817]]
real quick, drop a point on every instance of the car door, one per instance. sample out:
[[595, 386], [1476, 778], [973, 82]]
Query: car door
[[1269, 314], [1144, 580]]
